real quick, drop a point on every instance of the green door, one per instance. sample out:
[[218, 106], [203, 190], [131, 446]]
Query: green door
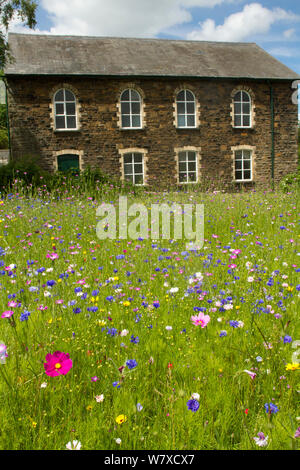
[[69, 162]]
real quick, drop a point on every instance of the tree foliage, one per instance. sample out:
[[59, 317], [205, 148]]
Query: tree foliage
[[24, 10]]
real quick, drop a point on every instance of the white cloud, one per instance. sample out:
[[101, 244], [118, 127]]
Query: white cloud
[[289, 33], [127, 18], [252, 20]]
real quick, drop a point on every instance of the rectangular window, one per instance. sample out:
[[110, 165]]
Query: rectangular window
[[243, 165], [187, 167], [134, 168]]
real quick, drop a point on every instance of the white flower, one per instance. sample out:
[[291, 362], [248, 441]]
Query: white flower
[[124, 333], [169, 328], [195, 396], [118, 441], [99, 398], [47, 294], [240, 324], [261, 440], [74, 445], [173, 290], [44, 385], [250, 279], [49, 270]]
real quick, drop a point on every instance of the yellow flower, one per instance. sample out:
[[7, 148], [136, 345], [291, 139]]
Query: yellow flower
[[294, 366], [237, 307], [89, 407], [121, 419], [126, 303]]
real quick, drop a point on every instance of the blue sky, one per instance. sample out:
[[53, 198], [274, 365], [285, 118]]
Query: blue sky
[[274, 25]]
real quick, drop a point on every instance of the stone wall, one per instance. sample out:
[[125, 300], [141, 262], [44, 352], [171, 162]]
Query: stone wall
[[100, 140]]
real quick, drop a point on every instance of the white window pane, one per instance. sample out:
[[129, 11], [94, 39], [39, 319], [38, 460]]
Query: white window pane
[[69, 96], [125, 108], [139, 179], [134, 95], [71, 122], [190, 108], [70, 108], [190, 121], [181, 108], [181, 96], [138, 157], [125, 121], [59, 96], [136, 121], [237, 120], [135, 108], [181, 121], [59, 108], [60, 122], [246, 121], [189, 96]]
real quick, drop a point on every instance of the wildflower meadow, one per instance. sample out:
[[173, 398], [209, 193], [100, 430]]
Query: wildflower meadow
[[142, 344]]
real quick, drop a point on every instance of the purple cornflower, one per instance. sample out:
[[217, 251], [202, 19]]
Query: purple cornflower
[[287, 339], [271, 408], [131, 363], [193, 405]]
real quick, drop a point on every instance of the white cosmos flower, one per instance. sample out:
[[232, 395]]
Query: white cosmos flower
[[74, 445], [261, 440], [195, 396]]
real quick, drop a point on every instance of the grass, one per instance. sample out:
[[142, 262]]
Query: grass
[[119, 292]]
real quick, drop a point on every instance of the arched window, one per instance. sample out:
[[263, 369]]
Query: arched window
[[186, 109], [242, 109], [131, 109], [65, 109]]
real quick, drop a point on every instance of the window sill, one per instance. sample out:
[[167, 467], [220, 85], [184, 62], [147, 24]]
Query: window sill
[[243, 181], [243, 128], [132, 128], [187, 128], [66, 130]]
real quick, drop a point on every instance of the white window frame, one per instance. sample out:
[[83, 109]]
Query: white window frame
[[242, 114], [186, 152], [186, 114], [243, 180], [63, 102], [133, 174], [131, 114]]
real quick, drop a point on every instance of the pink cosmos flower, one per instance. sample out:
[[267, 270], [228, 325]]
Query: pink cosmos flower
[[7, 314], [252, 374], [200, 319], [58, 363], [52, 256], [12, 303]]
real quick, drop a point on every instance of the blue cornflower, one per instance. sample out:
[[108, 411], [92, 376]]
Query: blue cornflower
[[51, 283], [223, 333], [112, 331], [131, 363], [234, 323], [193, 405], [134, 340], [77, 310], [24, 316], [287, 339], [271, 408]]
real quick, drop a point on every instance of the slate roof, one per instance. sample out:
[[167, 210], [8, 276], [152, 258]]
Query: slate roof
[[107, 56]]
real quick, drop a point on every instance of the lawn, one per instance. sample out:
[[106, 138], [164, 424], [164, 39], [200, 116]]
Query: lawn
[[164, 348]]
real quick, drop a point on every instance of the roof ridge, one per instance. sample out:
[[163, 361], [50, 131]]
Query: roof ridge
[[129, 38]]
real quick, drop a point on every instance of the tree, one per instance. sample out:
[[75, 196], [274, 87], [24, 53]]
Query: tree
[[22, 9]]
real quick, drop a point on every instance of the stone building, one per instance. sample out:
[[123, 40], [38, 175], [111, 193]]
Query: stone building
[[153, 111]]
